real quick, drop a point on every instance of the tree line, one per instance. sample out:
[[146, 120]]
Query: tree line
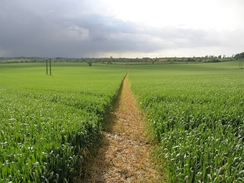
[[111, 60], [239, 56]]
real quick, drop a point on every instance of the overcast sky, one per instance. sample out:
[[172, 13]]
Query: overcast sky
[[121, 28]]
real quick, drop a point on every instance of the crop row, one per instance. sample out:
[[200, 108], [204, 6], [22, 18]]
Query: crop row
[[198, 121], [46, 134]]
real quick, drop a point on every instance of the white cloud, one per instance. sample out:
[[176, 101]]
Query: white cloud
[[208, 14]]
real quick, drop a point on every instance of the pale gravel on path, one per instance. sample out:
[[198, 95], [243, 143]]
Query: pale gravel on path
[[125, 153]]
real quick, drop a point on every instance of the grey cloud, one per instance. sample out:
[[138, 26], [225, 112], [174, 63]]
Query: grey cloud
[[78, 29]]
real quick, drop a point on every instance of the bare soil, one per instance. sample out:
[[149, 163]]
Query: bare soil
[[126, 151]]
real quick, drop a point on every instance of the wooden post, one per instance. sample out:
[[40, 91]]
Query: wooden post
[[50, 65], [46, 66]]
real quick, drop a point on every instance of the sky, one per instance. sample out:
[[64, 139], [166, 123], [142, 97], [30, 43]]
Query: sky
[[121, 28]]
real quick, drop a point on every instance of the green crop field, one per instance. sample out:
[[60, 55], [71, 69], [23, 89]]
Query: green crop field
[[49, 123], [197, 115]]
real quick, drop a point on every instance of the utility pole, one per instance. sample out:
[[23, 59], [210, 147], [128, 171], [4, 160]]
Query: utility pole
[[46, 66], [50, 65]]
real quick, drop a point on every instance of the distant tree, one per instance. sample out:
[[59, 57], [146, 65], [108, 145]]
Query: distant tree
[[109, 60], [199, 60], [239, 56], [214, 59], [172, 60], [103, 60], [54, 60], [89, 62]]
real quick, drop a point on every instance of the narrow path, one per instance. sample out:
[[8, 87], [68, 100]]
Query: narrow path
[[125, 154]]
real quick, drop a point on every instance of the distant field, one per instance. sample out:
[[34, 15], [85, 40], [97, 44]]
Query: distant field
[[196, 114], [49, 123]]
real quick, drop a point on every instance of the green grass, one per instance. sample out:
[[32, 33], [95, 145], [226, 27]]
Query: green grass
[[50, 123], [196, 114]]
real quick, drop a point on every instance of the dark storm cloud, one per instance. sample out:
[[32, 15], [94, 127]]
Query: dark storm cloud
[[79, 29]]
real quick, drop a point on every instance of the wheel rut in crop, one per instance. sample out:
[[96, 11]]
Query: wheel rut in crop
[[125, 152]]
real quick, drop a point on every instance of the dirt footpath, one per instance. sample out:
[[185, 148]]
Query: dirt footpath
[[125, 154]]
